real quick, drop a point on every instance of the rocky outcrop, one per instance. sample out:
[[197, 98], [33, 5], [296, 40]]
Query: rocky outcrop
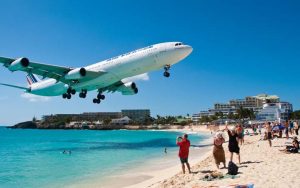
[[25, 125]]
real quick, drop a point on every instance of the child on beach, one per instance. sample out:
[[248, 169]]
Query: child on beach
[[184, 145]]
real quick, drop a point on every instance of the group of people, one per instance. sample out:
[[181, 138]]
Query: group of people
[[236, 139]]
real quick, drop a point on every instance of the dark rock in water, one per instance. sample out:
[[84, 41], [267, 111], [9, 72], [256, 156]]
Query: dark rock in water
[[25, 125]]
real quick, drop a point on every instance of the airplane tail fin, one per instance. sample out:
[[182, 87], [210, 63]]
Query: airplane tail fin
[[31, 79]]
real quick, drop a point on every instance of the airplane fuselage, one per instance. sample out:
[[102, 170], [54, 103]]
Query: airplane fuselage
[[137, 62]]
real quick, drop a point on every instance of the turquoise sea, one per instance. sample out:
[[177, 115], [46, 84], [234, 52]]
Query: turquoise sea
[[34, 158]]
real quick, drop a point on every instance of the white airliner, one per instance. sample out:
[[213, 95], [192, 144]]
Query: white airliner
[[106, 76]]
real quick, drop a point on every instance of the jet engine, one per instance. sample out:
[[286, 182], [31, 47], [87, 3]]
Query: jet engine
[[128, 88], [19, 64], [76, 74]]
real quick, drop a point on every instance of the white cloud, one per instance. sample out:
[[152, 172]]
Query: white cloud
[[143, 77], [34, 98]]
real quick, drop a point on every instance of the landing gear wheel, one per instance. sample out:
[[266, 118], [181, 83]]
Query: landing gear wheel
[[96, 100], [83, 93], [68, 96], [166, 74], [100, 96], [64, 95], [73, 91]]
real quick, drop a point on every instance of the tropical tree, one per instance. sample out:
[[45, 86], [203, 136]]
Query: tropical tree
[[204, 119], [295, 114], [219, 114], [106, 121], [244, 113], [231, 116]]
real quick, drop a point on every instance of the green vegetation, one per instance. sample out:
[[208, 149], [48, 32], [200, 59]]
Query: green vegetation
[[242, 114], [62, 121], [295, 114]]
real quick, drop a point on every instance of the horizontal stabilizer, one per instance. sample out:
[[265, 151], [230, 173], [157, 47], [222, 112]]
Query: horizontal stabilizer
[[19, 87]]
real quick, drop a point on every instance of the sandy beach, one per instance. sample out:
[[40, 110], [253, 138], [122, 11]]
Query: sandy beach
[[261, 165]]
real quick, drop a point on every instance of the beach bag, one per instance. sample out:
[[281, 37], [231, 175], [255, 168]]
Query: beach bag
[[232, 168]]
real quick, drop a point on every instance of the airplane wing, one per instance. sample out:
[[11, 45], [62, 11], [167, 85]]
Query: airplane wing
[[50, 71]]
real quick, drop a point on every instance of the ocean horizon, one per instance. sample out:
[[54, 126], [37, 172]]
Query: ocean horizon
[[36, 158]]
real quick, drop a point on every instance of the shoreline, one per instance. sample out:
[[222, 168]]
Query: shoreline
[[150, 171], [162, 175], [261, 165]]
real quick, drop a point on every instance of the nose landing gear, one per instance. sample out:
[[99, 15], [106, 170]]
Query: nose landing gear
[[166, 73]]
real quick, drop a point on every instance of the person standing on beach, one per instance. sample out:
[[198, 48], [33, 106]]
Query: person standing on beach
[[218, 150], [240, 133], [184, 145], [296, 127], [286, 125], [291, 127], [259, 128], [269, 132], [233, 144]]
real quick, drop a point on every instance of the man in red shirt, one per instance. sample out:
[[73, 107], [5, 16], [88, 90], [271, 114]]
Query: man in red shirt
[[184, 145]]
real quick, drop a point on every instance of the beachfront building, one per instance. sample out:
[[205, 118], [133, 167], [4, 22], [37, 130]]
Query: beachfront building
[[275, 112], [121, 121], [137, 115], [196, 118], [255, 103]]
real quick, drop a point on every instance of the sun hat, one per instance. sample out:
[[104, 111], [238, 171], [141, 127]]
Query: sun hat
[[219, 135]]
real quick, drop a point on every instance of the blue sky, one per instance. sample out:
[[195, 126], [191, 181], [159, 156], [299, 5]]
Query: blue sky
[[241, 48]]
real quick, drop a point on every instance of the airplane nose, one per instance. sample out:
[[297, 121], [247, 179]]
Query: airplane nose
[[188, 49]]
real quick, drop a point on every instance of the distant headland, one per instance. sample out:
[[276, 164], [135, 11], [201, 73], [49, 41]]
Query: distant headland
[[137, 119]]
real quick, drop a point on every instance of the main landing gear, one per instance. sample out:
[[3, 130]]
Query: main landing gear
[[167, 68], [69, 93], [83, 93], [100, 97]]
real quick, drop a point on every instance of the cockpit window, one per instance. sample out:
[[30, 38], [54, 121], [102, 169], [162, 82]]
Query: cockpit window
[[178, 44]]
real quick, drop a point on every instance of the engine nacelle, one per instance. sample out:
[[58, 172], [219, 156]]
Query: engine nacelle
[[76, 74], [19, 64], [128, 88]]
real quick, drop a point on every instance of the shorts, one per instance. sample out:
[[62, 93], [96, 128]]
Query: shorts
[[241, 135], [269, 135], [183, 160], [286, 131], [234, 149]]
